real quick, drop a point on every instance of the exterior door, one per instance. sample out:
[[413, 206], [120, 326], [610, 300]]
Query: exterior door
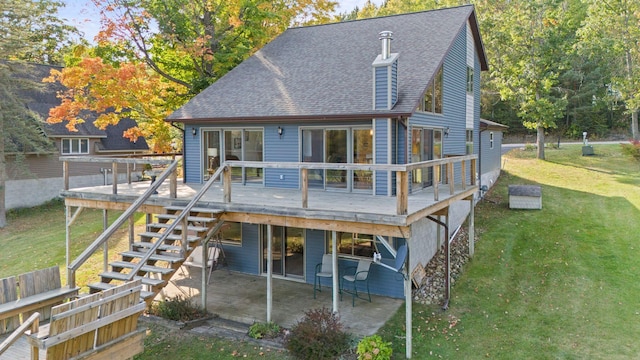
[[211, 152], [287, 248], [426, 144]]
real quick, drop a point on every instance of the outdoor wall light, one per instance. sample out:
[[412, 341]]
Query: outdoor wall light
[[446, 132], [194, 131], [280, 131]]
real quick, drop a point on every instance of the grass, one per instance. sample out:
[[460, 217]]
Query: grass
[[560, 283], [35, 239]]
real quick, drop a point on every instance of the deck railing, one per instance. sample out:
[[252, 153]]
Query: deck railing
[[115, 162], [402, 173]]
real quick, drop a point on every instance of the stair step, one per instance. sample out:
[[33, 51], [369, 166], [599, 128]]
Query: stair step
[[150, 234], [145, 268], [195, 209], [105, 286], [154, 257], [163, 247], [201, 219], [125, 277], [178, 227]]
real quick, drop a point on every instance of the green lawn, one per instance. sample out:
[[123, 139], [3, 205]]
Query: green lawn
[[560, 283], [556, 283]]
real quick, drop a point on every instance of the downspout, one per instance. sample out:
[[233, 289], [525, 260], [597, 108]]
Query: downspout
[[447, 263], [480, 164]]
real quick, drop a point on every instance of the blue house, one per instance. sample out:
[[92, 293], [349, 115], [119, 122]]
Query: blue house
[[353, 143], [401, 89]]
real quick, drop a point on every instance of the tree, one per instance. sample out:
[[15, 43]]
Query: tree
[[611, 32], [194, 43], [19, 130], [529, 42], [165, 52], [113, 92]]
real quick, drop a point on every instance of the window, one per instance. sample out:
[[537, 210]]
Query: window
[[75, 146], [232, 233], [469, 79], [491, 140], [469, 142], [233, 144], [432, 100], [353, 244]]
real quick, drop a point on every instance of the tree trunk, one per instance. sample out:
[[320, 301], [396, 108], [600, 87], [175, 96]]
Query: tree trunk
[[634, 125], [540, 142]]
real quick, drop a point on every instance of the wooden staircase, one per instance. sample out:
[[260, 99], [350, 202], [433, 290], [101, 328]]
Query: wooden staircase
[[165, 258]]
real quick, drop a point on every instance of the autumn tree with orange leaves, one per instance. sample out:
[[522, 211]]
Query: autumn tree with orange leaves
[[112, 92], [157, 54]]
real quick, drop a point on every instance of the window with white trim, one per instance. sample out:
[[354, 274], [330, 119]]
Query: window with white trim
[[469, 142], [469, 79], [491, 140], [75, 146]]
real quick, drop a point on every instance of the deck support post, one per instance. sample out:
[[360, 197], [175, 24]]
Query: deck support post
[[203, 280], [451, 178], [408, 298], [114, 173], [463, 174], [304, 178], [67, 226], [132, 235], [65, 174], [334, 269], [269, 271], [402, 192], [105, 226], [226, 184], [173, 184]]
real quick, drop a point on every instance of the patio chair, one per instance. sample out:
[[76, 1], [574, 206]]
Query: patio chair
[[195, 259], [360, 274], [323, 270]]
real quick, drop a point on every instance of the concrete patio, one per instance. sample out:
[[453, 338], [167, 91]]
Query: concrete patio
[[243, 298]]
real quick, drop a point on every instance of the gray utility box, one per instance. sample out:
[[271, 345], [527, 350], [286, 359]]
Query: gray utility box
[[525, 197]]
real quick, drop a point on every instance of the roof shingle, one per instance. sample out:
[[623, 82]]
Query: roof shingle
[[325, 70]]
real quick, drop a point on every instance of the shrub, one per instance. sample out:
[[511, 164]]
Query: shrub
[[319, 335], [267, 330], [373, 348], [632, 149], [177, 309]]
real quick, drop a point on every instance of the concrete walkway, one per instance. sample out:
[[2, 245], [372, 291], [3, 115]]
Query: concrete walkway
[[243, 298]]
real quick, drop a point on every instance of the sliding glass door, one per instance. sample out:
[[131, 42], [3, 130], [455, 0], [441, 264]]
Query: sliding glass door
[[233, 144], [287, 249], [338, 146], [426, 144]]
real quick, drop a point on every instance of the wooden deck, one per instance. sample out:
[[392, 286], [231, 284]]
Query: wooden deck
[[256, 204]]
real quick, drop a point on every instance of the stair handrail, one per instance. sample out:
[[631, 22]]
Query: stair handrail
[[32, 322], [98, 242], [184, 213]]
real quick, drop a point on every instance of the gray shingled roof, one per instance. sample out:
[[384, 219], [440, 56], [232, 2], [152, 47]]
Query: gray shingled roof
[[325, 71]]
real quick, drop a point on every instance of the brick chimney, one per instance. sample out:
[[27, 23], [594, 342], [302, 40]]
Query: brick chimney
[[385, 75]]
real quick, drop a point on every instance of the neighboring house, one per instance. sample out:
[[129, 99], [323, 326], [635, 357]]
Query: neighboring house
[[34, 178], [328, 94], [491, 134]]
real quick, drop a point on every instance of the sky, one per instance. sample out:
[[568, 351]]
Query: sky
[[83, 14]]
